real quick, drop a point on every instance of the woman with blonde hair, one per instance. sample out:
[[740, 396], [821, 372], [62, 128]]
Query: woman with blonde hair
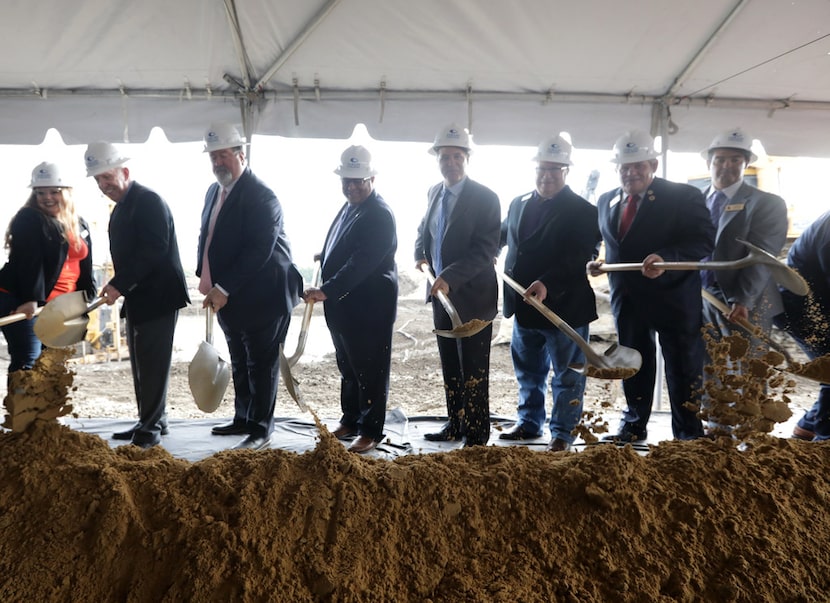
[[49, 253]]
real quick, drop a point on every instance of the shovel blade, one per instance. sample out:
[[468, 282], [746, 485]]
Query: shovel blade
[[291, 383], [62, 323], [208, 376], [468, 329]]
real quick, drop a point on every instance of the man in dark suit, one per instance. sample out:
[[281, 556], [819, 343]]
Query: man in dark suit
[[148, 273], [650, 220], [805, 317], [459, 239], [360, 299], [550, 235], [248, 278], [741, 211]]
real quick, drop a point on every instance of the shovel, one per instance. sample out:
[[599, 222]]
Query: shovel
[[13, 318], [63, 321], [780, 272], [618, 362], [309, 309], [459, 330], [814, 370], [291, 383], [208, 375]]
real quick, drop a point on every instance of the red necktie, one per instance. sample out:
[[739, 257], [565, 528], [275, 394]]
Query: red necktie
[[628, 215]]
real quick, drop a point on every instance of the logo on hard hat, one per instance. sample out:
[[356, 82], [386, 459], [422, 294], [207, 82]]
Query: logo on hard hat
[[453, 133], [354, 160], [212, 136], [736, 136], [631, 146]]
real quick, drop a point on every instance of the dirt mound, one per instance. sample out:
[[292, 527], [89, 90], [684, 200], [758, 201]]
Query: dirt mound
[[691, 521]]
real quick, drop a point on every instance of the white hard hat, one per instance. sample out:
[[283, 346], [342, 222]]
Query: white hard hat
[[634, 146], [452, 136], [47, 174], [731, 139], [222, 136], [554, 150], [101, 157], [355, 162]]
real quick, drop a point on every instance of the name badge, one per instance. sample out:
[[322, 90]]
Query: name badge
[[734, 207]]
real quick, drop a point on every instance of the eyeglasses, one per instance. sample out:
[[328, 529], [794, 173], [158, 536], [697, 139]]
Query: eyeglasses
[[722, 160], [639, 167], [355, 181], [551, 170]]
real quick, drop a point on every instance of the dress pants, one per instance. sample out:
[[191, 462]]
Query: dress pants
[[535, 352], [683, 352], [255, 367], [465, 364], [151, 349], [363, 358]]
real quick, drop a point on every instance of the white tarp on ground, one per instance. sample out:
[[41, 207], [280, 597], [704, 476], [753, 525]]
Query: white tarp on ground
[[511, 70]]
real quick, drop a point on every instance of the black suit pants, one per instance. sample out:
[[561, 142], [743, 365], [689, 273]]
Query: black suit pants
[[465, 364], [151, 349], [363, 358], [255, 366]]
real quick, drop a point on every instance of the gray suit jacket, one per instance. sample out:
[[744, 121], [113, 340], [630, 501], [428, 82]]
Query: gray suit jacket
[[760, 218], [469, 249]]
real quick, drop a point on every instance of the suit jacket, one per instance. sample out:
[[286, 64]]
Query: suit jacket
[[469, 249], [249, 254], [145, 256], [360, 278], [37, 255], [672, 221], [555, 254], [760, 218]]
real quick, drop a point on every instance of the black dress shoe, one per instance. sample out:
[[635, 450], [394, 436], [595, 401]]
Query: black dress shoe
[[231, 429], [448, 433], [128, 435], [253, 443], [146, 441], [519, 433], [626, 435]]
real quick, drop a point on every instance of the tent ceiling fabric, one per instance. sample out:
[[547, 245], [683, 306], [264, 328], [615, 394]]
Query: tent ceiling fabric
[[514, 71]]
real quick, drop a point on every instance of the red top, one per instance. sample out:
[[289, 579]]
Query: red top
[[71, 271]]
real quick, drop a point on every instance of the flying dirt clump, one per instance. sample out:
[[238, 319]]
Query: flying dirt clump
[[39, 393]]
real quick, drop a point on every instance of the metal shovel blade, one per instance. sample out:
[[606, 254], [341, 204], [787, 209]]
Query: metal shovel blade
[[208, 375], [63, 321], [459, 330], [618, 362], [291, 383]]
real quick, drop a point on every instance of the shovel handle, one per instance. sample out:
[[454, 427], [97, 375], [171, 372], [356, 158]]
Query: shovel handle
[[556, 320], [442, 297], [307, 313], [209, 325], [675, 266], [13, 318]]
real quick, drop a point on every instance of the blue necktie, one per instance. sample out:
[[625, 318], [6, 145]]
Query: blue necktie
[[437, 264]]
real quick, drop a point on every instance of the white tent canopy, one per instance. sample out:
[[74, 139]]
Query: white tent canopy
[[512, 71]]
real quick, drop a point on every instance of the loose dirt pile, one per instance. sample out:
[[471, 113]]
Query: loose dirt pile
[[691, 521]]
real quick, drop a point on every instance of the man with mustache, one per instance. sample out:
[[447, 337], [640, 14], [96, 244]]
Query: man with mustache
[[649, 220], [247, 277]]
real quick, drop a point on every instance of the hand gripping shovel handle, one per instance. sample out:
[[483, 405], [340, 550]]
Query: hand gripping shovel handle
[[13, 318], [307, 313], [442, 297]]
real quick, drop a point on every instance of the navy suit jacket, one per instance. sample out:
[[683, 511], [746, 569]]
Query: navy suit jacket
[[145, 256], [673, 222], [249, 254], [359, 275], [555, 254], [469, 249]]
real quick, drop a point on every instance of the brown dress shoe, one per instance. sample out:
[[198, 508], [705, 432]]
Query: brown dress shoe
[[341, 432], [800, 433], [362, 444], [558, 445]]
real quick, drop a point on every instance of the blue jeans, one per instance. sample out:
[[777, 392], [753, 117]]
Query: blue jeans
[[24, 346], [535, 352]]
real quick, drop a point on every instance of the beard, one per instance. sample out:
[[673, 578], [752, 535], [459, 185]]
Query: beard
[[223, 175]]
